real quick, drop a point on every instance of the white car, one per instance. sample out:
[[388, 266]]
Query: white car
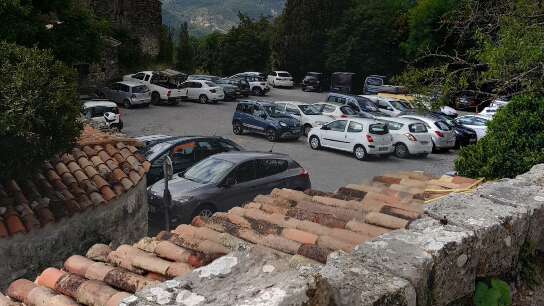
[[442, 133], [360, 136], [489, 112], [392, 108], [280, 79], [202, 91], [410, 137], [257, 82], [335, 110], [105, 112], [308, 114], [475, 122], [162, 90]]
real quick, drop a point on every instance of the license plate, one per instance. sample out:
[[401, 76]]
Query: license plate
[[383, 149], [424, 142]]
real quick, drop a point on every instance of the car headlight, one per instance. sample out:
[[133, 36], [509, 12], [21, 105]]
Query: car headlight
[[283, 124]]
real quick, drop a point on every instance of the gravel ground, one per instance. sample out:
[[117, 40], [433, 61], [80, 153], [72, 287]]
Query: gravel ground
[[328, 169]]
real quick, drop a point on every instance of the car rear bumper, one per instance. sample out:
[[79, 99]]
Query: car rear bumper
[[140, 101], [380, 149], [444, 144], [283, 83], [419, 148], [178, 213], [217, 97]]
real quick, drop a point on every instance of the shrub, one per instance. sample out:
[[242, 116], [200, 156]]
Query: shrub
[[38, 109], [513, 145], [496, 294]]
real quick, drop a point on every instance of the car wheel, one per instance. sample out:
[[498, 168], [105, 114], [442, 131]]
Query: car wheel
[[315, 144], [257, 91], [359, 152], [237, 128], [271, 135], [203, 99], [127, 104], [205, 211], [155, 98], [401, 151], [307, 129]]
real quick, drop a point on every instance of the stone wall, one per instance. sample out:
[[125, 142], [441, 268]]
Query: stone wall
[[120, 221], [436, 261]]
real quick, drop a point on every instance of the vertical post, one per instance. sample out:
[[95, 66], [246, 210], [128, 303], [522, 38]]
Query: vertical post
[[167, 197]]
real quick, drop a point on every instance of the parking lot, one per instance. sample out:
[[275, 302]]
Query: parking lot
[[328, 169]]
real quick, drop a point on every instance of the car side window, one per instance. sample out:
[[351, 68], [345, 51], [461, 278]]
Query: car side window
[[338, 126], [330, 99], [146, 78], [293, 111], [270, 167], [355, 127], [124, 88], [328, 109], [197, 85], [245, 172], [184, 152], [139, 76]]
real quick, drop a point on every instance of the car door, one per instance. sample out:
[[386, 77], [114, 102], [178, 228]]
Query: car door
[[114, 92], [183, 155], [294, 112], [258, 119], [334, 136], [243, 190], [270, 175], [353, 134], [123, 93]]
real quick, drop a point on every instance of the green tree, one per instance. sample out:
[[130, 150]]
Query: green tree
[[166, 46], [208, 57], [39, 109], [185, 50], [369, 37], [300, 34]]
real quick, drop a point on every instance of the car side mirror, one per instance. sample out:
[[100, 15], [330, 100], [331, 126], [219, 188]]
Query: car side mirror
[[229, 182]]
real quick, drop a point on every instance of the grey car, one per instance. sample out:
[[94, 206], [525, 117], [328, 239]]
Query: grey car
[[128, 94], [224, 181]]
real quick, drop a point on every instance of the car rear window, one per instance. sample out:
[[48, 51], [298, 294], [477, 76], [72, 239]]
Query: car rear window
[[417, 128], [211, 84], [378, 129], [442, 125], [284, 75]]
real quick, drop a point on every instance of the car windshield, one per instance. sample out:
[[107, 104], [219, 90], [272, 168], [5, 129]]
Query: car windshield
[[273, 111], [366, 104], [156, 150], [211, 170], [309, 109], [284, 75], [399, 105], [140, 89]]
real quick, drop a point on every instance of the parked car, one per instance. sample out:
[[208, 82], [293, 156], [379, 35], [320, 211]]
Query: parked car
[[360, 136], [152, 140], [308, 114], [202, 91], [104, 112], [442, 133], [391, 107], [464, 136], [185, 152], [163, 90], [375, 84], [346, 82], [476, 123], [257, 83], [231, 91], [175, 77], [127, 93], [410, 137], [224, 181], [336, 110], [265, 118], [357, 103], [314, 81], [250, 73], [241, 83], [280, 79]]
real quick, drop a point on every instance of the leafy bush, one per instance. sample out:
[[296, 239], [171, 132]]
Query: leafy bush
[[38, 109], [513, 145], [497, 294]]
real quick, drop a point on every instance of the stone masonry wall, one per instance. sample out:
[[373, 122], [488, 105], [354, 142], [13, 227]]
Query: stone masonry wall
[[121, 221], [436, 261]]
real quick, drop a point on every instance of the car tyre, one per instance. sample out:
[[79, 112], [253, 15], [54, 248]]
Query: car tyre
[[401, 150], [360, 152], [307, 129], [205, 211], [203, 99], [127, 104], [155, 98], [237, 128], [257, 91], [271, 135], [315, 144]]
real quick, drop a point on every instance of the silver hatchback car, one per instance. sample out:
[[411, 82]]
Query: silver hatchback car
[[128, 94], [442, 134]]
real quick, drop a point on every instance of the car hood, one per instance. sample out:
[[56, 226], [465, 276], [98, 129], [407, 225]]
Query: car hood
[[178, 186]]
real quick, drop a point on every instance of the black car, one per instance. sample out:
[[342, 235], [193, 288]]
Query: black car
[[242, 84], [185, 152], [314, 81], [224, 181], [464, 136]]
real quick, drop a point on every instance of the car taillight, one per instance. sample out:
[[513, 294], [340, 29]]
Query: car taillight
[[343, 116], [410, 137], [168, 93], [304, 173], [213, 90], [439, 134], [369, 138]]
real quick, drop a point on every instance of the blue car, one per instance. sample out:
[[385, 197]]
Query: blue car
[[266, 119]]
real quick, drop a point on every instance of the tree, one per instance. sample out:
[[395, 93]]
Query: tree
[[300, 34], [208, 58], [185, 53], [166, 46], [39, 109]]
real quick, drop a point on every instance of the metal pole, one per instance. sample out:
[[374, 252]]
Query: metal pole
[[167, 197]]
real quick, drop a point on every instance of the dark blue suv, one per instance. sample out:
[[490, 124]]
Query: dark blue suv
[[264, 118]]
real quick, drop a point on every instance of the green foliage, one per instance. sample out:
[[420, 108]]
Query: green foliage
[[528, 265], [185, 50], [166, 46], [513, 145], [38, 109], [494, 292]]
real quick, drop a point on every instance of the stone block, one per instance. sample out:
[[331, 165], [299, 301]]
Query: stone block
[[353, 282]]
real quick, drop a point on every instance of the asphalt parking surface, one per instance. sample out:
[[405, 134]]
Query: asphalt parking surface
[[328, 169]]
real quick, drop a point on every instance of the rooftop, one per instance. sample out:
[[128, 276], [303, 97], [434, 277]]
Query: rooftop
[[99, 169], [308, 225]]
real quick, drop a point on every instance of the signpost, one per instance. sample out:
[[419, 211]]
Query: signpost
[[168, 170]]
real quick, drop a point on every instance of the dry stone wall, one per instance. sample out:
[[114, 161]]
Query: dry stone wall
[[436, 261]]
